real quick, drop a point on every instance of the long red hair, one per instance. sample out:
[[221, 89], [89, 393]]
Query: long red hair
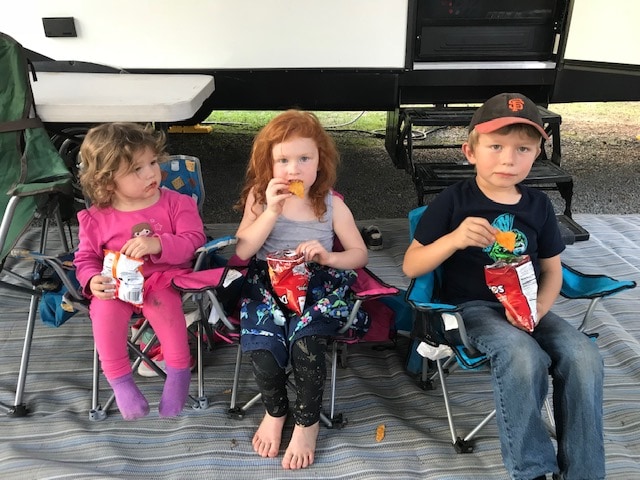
[[291, 124]]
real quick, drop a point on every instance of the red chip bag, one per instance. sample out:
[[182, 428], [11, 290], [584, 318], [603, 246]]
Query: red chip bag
[[289, 278], [513, 282]]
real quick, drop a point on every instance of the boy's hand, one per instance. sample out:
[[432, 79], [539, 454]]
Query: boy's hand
[[473, 232], [102, 287], [276, 193], [138, 247]]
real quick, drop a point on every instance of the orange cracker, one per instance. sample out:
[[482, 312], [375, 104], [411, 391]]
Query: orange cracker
[[380, 432], [297, 188], [506, 240]]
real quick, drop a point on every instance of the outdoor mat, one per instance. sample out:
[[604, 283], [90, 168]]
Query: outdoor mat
[[58, 440]]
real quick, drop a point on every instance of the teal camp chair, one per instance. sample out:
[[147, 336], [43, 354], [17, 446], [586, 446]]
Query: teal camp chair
[[34, 183], [441, 325]]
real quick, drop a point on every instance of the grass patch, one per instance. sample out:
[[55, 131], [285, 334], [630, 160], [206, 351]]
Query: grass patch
[[251, 121]]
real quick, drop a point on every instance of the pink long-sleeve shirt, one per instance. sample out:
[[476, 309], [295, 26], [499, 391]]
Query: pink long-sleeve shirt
[[174, 219]]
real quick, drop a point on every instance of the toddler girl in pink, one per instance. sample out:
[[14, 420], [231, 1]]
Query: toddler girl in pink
[[130, 213]]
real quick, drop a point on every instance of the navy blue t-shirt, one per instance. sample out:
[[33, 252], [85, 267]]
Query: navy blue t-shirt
[[532, 219]]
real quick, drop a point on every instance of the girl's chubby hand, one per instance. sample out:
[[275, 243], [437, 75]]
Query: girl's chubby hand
[[313, 251], [473, 232], [138, 247], [102, 287], [276, 193]]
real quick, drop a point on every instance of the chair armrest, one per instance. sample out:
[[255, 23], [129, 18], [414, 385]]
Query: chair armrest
[[207, 255], [368, 286], [576, 284], [218, 244], [61, 264]]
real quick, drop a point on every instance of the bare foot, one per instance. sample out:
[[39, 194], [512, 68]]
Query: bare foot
[[266, 441], [299, 453]]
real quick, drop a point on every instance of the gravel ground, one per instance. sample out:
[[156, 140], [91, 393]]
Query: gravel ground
[[600, 149]]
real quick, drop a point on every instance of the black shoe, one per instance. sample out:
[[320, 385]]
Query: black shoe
[[372, 237]]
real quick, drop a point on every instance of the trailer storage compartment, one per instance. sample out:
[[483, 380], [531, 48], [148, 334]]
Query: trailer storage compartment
[[483, 30]]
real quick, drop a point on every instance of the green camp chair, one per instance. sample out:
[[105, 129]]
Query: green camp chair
[[34, 180]]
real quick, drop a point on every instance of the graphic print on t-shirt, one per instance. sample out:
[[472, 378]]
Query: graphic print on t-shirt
[[141, 230], [497, 252]]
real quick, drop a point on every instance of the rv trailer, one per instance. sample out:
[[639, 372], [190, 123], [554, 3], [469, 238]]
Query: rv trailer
[[347, 54]]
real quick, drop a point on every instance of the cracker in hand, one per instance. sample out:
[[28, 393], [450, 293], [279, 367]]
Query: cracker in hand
[[506, 240], [297, 188]]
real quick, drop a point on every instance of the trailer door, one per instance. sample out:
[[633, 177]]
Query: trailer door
[[601, 58]]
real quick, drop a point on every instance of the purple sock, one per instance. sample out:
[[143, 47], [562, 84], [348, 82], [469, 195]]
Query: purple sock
[[131, 402], [175, 391]]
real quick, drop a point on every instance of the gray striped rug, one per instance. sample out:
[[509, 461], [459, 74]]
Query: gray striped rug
[[59, 441]]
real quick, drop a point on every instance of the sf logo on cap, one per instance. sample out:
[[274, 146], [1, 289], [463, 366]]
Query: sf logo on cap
[[516, 104]]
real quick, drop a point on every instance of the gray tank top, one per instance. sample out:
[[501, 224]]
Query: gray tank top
[[288, 234]]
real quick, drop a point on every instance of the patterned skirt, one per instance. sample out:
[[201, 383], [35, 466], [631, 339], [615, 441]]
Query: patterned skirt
[[267, 325]]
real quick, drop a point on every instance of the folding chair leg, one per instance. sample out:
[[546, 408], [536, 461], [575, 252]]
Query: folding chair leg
[[334, 420], [461, 445], [201, 402], [465, 445], [19, 409], [473, 432], [97, 413], [235, 411], [551, 419], [334, 371]]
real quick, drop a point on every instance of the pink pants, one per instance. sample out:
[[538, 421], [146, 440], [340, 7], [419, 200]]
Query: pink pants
[[110, 321]]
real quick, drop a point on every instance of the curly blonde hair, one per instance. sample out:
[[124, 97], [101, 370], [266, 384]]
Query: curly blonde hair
[[291, 124], [108, 146]]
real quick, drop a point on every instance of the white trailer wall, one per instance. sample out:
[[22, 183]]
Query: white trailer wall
[[605, 31], [234, 34]]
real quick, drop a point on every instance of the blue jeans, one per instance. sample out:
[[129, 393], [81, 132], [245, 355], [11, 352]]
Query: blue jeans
[[520, 365]]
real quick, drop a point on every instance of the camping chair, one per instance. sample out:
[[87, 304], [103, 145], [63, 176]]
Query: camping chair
[[181, 173], [368, 289], [34, 183], [440, 329], [201, 306]]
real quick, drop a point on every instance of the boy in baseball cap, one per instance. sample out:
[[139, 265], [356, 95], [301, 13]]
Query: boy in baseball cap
[[458, 233]]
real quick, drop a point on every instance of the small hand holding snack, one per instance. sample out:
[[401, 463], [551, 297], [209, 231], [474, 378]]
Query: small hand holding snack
[[313, 251], [126, 276], [276, 193], [102, 287], [139, 247], [473, 232]]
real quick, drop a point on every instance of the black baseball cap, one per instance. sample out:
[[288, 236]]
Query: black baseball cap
[[506, 109]]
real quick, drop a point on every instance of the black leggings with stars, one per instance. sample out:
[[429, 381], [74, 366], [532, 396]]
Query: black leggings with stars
[[309, 369]]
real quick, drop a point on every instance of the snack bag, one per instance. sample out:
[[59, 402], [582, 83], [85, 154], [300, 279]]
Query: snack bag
[[126, 273], [289, 278], [513, 282]]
